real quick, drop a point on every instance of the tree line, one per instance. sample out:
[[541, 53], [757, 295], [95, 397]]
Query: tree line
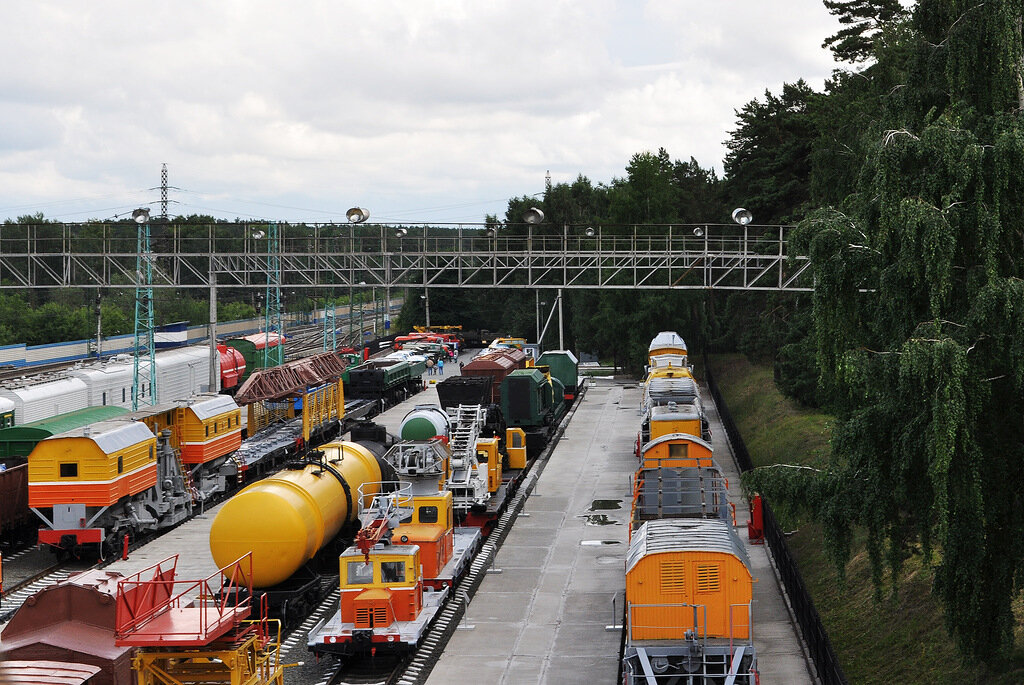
[[905, 178]]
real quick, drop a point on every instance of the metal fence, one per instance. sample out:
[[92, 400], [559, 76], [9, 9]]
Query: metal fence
[[818, 644]]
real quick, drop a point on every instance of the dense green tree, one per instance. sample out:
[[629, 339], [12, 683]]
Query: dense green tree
[[864, 24], [767, 168], [919, 308]]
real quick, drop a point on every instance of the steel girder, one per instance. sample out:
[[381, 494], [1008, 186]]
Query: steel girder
[[320, 257]]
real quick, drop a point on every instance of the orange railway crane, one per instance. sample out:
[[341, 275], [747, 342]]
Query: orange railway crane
[[187, 631]]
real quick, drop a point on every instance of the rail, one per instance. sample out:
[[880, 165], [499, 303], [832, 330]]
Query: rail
[[826, 664]]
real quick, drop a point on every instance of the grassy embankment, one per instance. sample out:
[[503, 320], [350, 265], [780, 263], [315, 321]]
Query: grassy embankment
[[901, 641]]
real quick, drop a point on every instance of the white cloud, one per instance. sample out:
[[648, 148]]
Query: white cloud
[[396, 105]]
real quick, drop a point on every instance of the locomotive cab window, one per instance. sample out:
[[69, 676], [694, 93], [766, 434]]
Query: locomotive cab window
[[392, 571], [360, 573], [69, 470], [120, 464], [428, 514], [677, 450]]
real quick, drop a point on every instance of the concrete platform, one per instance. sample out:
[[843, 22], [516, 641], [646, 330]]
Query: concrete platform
[[544, 618]]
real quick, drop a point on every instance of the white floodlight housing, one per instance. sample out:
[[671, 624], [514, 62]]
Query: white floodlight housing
[[401, 232], [140, 215], [357, 215], [590, 232], [258, 234], [742, 216], [533, 216], [699, 231]]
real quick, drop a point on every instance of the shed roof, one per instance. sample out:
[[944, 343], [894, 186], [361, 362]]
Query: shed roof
[[210, 405], [684, 535], [111, 435], [63, 422], [667, 339], [45, 673]]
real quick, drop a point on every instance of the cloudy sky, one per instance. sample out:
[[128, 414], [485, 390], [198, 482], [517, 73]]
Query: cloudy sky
[[420, 110]]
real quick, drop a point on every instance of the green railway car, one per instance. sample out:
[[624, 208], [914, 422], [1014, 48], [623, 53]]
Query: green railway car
[[17, 442], [388, 379], [565, 367], [261, 350]]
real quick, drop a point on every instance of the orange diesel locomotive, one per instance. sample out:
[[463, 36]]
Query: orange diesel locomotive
[[688, 581]]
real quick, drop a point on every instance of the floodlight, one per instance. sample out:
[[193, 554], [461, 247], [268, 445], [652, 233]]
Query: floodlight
[[699, 231], [590, 232], [141, 215], [742, 216], [401, 232], [533, 216], [357, 215], [258, 234], [490, 232]]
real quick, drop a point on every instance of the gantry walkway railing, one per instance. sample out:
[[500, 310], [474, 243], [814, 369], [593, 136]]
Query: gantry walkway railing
[[697, 256]]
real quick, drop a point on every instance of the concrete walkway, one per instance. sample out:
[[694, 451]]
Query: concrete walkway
[[543, 619]]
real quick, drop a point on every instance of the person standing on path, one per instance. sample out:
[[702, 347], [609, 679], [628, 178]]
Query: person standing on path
[[440, 366]]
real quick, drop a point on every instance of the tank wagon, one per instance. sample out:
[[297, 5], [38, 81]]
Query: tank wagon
[[688, 581], [287, 519], [232, 368]]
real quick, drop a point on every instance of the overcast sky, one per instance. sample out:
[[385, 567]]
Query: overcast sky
[[418, 110]]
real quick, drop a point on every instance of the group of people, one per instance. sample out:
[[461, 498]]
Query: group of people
[[436, 369]]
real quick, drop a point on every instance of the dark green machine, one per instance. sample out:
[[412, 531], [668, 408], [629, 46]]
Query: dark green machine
[[565, 367], [533, 400]]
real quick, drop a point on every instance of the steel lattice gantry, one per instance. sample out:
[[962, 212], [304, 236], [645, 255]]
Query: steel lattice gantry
[[708, 256]]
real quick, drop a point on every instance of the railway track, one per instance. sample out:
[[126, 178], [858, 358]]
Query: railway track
[[414, 668]]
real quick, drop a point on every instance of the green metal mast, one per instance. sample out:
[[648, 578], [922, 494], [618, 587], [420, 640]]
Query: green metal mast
[[143, 381], [273, 356], [330, 327]]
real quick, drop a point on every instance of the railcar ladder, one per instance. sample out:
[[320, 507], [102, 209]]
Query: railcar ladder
[[186, 474]]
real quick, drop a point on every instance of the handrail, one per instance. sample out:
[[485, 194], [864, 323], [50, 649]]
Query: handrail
[[139, 602], [826, 663]]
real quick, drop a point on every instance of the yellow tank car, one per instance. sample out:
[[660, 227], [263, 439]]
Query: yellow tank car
[[285, 519]]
